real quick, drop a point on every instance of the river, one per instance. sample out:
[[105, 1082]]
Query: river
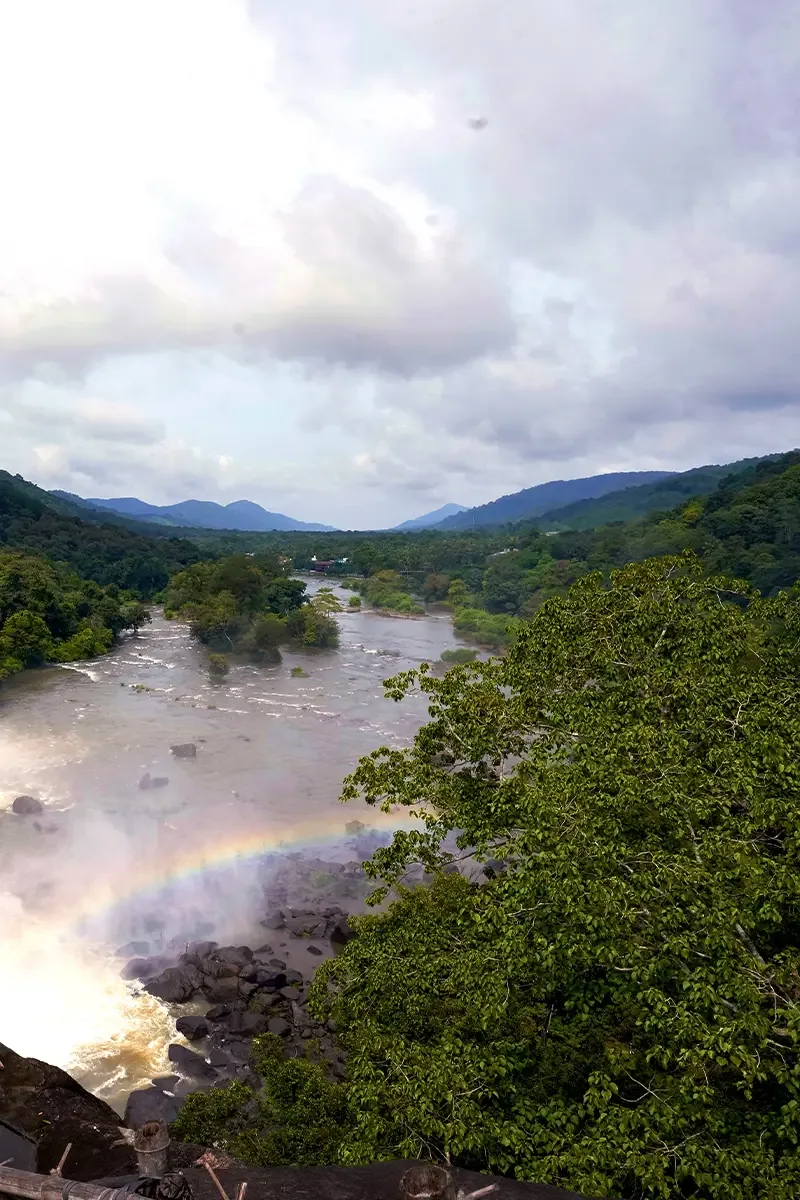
[[107, 856]]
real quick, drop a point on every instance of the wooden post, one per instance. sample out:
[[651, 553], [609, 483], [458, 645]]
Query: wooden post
[[52, 1187], [151, 1143], [427, 1182]]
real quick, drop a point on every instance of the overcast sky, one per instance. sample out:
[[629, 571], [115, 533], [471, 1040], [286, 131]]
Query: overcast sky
[[258, 249]]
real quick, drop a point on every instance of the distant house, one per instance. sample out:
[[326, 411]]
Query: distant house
[[325, 564]]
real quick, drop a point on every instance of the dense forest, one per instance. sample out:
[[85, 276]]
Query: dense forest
[[248, 606], [108, 552]]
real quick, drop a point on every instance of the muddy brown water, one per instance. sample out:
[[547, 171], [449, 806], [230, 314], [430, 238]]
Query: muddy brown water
[[108, 860]]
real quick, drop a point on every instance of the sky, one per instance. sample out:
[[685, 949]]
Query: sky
[[353, 260]]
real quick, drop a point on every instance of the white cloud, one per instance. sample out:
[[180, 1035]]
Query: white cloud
[[259, 246]]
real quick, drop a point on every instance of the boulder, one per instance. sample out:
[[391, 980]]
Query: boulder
[[192, 1028], [271, 979], [277, 963], [218, 1012], [189, 1064], [201, 949], [249, 973], [27, 806], [314, 950], [290, 993], [341, 934], [280, 1027], [133, 950], [222, 991], [236, 956], [176, 985], [262, 1001], [273, 921], [248, 1024], [148, 782], [165, 1083], [247, 989], [150, 1104], [184, 750]]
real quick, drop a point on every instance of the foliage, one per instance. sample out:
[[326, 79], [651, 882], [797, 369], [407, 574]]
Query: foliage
[[298, 673], [325, 601], [461, 654], [247, 605], [354, 602], [108, 552], [299, 1119], [617, 1010], [49, 614], [218, 666], [389, 590]]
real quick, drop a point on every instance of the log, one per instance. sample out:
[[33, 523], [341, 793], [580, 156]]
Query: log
[[53, 1187]]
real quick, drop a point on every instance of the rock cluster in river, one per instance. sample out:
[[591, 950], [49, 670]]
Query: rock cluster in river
[[250, 991]]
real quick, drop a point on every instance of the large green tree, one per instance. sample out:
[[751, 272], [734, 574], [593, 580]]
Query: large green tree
[[615, 1007]]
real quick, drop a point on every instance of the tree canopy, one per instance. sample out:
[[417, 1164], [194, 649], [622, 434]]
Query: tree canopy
[[615, 1007]]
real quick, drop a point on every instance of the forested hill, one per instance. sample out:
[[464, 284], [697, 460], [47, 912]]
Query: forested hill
[[632, 502], [105, 551], [532, 502]]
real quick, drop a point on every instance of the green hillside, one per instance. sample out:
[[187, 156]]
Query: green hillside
[[107, 551], [631, 502]]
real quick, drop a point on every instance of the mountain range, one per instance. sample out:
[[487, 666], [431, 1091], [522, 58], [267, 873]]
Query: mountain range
[[241, 515], [545, 497]]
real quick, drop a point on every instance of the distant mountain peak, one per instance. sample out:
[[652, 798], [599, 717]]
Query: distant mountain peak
[[432, 518], [240, 515]]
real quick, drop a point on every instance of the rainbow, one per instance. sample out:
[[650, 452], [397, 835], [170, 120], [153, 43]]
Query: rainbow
[[190, 858]]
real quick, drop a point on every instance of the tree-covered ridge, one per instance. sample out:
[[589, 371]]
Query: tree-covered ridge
[[617, 1007], [106, 552], [49, 614], [247, 605]]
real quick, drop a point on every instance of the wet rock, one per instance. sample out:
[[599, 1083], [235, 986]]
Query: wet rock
[[214, 969], [176, 985], [271, 979], [218, 1012], [189, 1064], [27, 806], [165, 1083], [247, 989], [201, 949], [239, 1051], [133, 950], [222, 991], [248, 1024], [280, 1027], [149, 782], [262, 1001], [314, 950], [150, 1104], [137, 968], [192, 1028], [341, 934], [263, 951], [273, 921], [219, 1059], [290, 993], [237, 956], [187, 1087], [278, 964], [248, 973], [184, 750]]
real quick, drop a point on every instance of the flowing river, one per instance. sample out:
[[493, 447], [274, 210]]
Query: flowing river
[[108, 857]]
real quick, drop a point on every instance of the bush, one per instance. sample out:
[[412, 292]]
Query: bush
[[300, 1118], [460, 655], [218, 666], [354, 602]]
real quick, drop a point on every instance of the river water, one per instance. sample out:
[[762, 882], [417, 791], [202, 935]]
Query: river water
[[108, 859]]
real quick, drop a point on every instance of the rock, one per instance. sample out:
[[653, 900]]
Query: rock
[[191, 1065], [165, 1083], [248, 973], [262, 1001], [218, 970], [236, 956], [280, 1027], [137, 968], [219, 1059], [184, 750], [239, 1051], [293, 978], [27, 806], [273, 921], [192, 1028], [222, 991], [46, 1105], [271, 979], [219, 1012], [176, 985], [341, 934], [159, 781], [187, 1087], [148, 781], [278, 964], [133, 950], [202, 949], [263, 951], [248, 1024], [314, 950], [149, 1104], [290, 993]]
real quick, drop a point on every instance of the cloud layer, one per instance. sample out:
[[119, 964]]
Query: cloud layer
[[252, 248]]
